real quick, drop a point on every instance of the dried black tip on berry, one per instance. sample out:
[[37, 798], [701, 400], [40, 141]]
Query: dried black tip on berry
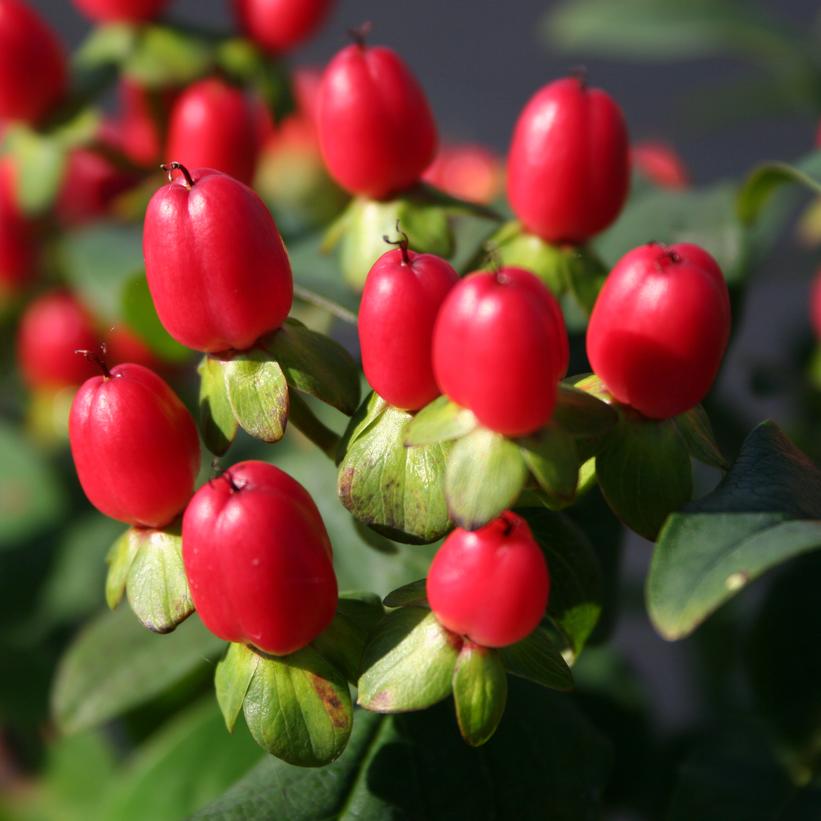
[[171, 167], [97, 357], [403, 243], [359, 34]]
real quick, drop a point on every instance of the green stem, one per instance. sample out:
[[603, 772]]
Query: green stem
[[333, 308], [304, 419]]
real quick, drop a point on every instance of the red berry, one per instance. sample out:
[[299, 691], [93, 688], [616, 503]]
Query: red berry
[[815, 305], [17, 245], [660, 163], [125, 11], [659, 328], [491, 584], [402, 296], [376, 129], [51, 329], [569, 166], [469, 171], [500, 347], [134, 445], [279, 25], [123, 345], [33, 76], [214, 125], [258, 559], [140, 134], [216, 265]]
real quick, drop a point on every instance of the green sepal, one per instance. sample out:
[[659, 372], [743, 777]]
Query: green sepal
[[218, 425], [232, 680], [440, 421], [258, 394], [553, 459], [146, 566], [343, 642], [581, 413], [694, 426], [411, 594], [484, 476], [537, 659], [644, 471], [479, 692], [408, 663], [396, 490]]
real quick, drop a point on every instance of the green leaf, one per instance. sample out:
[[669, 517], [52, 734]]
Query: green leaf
[[119, 560], [440, 421], [552, 458], [396, 490], [39, 161], [218, 425], [314, 364], [575, 573], [645, 474], [479, 693], [258, 394], [298, 708], [408, 663], [536, 659], [114, 665], [165, 56], [765, 180], [694, 426], [414, 593], [582, 414], [232, 680], [138, 312], [343, 642], [545, 761], [764, 512], [485, 474], [31, 496]]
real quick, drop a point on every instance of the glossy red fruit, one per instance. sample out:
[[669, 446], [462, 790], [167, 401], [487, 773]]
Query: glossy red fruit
[[568, 170], [216, 266], [140, 126], [33, 76], [214, 125], [660, 163], [471, 172], [125, 11], [402, 296], [17, 242], [51, 329], [279, 25], [492, 584], [376, 129], [500, 347], [659, 328], [258, 559], [134, 445]]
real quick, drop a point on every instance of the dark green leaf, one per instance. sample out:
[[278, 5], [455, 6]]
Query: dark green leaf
[[414, 593], [765, 511], [232, 680], [580, 413], [218, 425], [139, 313], [479, 693], [258, 394], [765, 180], [552, 458], [440, 421], [537, 659], [485, 474], [408, 663], [694, 426], [645, 474]]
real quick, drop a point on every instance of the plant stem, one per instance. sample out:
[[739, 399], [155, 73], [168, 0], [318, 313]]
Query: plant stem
[[312, 298], [304, 419]]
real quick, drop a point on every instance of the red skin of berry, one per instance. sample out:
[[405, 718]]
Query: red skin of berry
[[216, 266], [660, 163], [569, 165], [659, 328], [815, 305], [214, 125], [17, 244], [258, 559], [490, 585], [376, 129], [122, 11], [396, 317], [134, 445], [471, 172], [123, 345], [51, 329], [139, 131], [33, 75], [500, 347], [279, 25]]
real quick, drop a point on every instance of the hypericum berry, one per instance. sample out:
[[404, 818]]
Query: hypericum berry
[[279, 25], [214, 125], [258, 559], [123, 345], [815, 304], [403, 293], [376, 129], [33, 76], [500, 347], [17, 244], [51, 329], [491, 584], [139, 127], [660, 163], [659, 328], [569, 166], [134, 445], [466, 170], [216, 266], [121, 11]]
